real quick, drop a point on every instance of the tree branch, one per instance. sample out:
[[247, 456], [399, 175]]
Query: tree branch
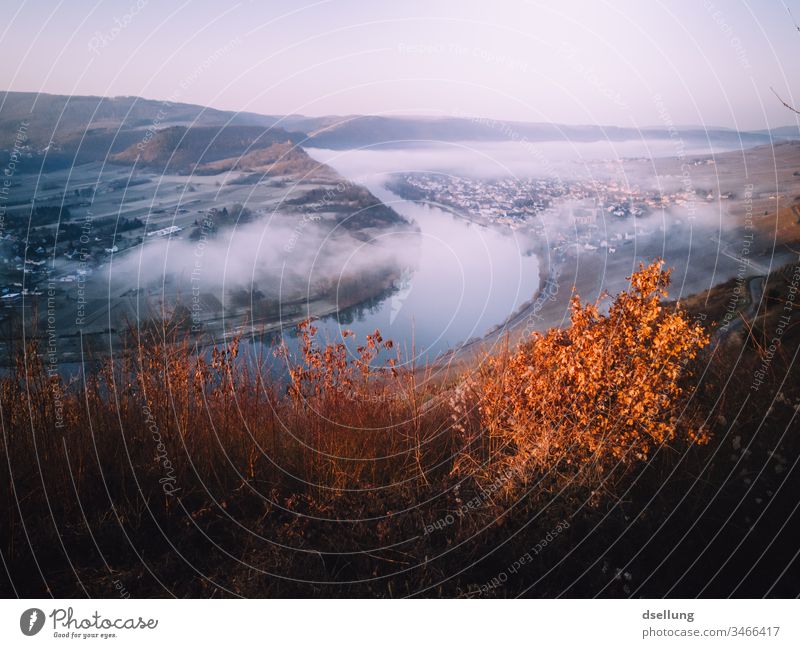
[[789, 106]]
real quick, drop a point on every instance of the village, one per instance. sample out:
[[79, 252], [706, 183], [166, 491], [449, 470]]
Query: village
[[592, 214]]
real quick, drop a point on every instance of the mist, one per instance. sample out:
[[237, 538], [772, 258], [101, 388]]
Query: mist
[[475, 276], [282, 257], [502, 159], [696, 234]]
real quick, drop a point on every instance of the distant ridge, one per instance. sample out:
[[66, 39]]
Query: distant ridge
[[62, 131], [63, 118], [359, 131]]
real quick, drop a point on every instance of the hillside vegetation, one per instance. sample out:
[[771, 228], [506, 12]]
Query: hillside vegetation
[[62, 118], [173, 472], [178, 149]]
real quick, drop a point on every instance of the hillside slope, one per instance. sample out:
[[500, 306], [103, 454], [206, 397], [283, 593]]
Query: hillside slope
[[181, 149], [60, 117]]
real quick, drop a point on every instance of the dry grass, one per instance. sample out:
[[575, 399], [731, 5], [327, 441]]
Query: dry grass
[[176, 471]]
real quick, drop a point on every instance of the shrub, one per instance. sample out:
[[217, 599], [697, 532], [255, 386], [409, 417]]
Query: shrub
[[602, 392]]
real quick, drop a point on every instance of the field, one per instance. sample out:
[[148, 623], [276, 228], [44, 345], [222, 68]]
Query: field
[[105, 245]]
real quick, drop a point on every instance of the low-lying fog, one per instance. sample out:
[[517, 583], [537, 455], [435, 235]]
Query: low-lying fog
[[687, 235], [282, 256], [499, 159], [452, 280]]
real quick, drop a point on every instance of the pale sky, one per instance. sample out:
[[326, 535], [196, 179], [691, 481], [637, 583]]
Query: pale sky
[[570, 61]]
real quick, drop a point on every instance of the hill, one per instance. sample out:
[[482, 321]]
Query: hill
[[282, 158], [60, 118], [602, 460], [352, 132], [61, 131], [181, 149]]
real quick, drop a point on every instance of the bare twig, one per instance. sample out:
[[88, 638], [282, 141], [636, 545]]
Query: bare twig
[[796, 26], [789, 106]]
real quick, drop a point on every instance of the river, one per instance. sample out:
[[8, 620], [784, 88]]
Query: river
[[465, 278]]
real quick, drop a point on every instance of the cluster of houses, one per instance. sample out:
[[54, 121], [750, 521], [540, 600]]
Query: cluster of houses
[[516, 202], [590, 215]]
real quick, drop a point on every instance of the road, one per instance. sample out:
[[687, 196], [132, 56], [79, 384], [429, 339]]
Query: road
[[749, 262]]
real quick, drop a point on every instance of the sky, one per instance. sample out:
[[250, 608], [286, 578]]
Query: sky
[[620, 62]]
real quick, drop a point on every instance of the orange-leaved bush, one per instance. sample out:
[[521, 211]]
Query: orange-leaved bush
[[604, 391]]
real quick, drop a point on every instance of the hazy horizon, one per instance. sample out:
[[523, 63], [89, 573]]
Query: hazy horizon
[[411, 114], [617, 63]]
